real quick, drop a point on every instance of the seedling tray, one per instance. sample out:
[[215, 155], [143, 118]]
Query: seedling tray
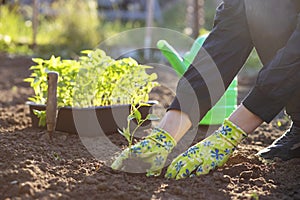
[[90, 121]]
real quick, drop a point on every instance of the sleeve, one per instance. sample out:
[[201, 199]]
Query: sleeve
[[277, 81], [223, 54]]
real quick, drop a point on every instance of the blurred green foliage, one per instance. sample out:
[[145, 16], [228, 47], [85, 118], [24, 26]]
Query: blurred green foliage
[[15, 31], [174, 16], [75, 26], [253, 64], [175, 19], [253, 61]]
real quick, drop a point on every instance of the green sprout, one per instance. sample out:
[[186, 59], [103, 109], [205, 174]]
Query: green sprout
[[41, 114], [136, 115]]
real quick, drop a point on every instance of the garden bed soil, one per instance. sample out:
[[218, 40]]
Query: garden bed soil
[[32, 167]]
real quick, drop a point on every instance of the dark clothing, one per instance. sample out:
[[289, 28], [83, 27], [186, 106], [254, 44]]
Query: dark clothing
[[273, 28]]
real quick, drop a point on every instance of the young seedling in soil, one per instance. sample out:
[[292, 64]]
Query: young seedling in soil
[[135, 115], [133, 164]]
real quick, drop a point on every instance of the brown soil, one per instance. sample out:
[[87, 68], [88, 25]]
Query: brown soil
[[32, 167]]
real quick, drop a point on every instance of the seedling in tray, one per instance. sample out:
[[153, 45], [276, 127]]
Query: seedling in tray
[[94, 80]]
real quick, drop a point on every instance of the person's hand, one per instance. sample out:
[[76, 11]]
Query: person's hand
[[149, 155], [208, 154]]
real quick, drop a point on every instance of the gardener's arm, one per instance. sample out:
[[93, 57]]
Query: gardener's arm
[[277, 81], [223, 54]]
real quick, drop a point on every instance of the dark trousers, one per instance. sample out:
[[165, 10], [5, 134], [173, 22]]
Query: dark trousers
[[273, 28]]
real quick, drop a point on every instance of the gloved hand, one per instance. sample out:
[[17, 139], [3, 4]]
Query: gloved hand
[[149, 155], [208, 154]]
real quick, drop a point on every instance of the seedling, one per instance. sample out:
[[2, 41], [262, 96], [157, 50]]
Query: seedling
[[95, 79], [41, 114], [135, 114]]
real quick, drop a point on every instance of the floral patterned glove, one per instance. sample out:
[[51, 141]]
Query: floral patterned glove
[[208, 154], [149, 155]]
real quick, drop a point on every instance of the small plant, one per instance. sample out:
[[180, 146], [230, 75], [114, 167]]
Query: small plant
[[104, 81], [15, 31], [67, 70], [41, 114], [135, 115], [95, 79]]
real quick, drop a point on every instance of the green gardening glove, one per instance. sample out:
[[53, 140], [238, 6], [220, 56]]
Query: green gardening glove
[[149, 155], [208, 154]]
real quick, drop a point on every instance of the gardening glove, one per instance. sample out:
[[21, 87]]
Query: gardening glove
[[149, 155], [208, 154]]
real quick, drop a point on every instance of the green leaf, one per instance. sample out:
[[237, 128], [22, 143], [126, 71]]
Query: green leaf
[[152, 117], [153, 76], [146, 66], [130, 117], [29, 80], [41, 114], [32, 99], [38, 60], [86, 52], [144, 104], [137, 114]]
